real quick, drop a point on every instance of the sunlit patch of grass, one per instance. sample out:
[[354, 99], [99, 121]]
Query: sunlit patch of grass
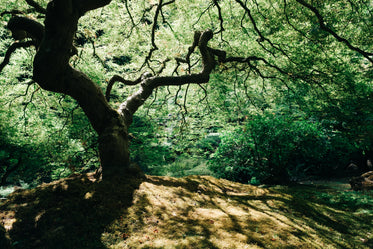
[[203, 212], [189, 212]]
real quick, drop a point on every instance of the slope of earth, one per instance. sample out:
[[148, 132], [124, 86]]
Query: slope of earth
[[190, 212]]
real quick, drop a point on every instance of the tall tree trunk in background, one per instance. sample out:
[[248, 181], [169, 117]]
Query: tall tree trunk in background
[[53, 73]]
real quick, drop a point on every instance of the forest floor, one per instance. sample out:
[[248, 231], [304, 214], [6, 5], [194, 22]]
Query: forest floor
[[189, 212]]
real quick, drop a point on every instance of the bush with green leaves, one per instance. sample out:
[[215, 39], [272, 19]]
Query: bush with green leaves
[[273, 148]]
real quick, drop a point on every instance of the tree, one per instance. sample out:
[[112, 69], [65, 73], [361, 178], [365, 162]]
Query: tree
[[271, 59]]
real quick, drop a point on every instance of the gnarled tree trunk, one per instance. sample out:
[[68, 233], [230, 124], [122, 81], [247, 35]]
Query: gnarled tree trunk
[[53, 72]]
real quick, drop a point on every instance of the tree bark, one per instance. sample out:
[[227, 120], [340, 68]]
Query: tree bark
[[114, 148], [53, 73]]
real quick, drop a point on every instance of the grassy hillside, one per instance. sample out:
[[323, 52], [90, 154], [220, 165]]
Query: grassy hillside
[[190, 212]]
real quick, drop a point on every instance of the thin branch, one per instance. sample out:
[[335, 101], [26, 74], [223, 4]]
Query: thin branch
[[153, 101], [185, 98], [216, 3], [12, 12], [180, 108], [25, 104], [222, 59], [154, 27], [262, 38], [294, 27], [129, 13], [117, 78], [247, 10], [167, 3], [163, 66], [155, 24], [202, 13], [10, 102], [190, 51], [324, 27], [131, 18], [12, 49], [102, 62]]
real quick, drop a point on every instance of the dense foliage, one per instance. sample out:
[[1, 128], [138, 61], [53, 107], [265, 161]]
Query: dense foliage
[[276, 148], [302, 105]]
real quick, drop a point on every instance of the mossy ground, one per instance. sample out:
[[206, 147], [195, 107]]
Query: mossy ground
[[189, 212]]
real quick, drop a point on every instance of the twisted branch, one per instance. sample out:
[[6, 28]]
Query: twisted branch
[[149, 83], [117, 78], [36, 6], [23, 27]]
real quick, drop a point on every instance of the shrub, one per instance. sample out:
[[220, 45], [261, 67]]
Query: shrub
[[273, 148]]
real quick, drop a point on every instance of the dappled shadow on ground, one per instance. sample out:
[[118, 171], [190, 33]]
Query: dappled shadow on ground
[[204, 212], [70, 213], [189, 212]]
